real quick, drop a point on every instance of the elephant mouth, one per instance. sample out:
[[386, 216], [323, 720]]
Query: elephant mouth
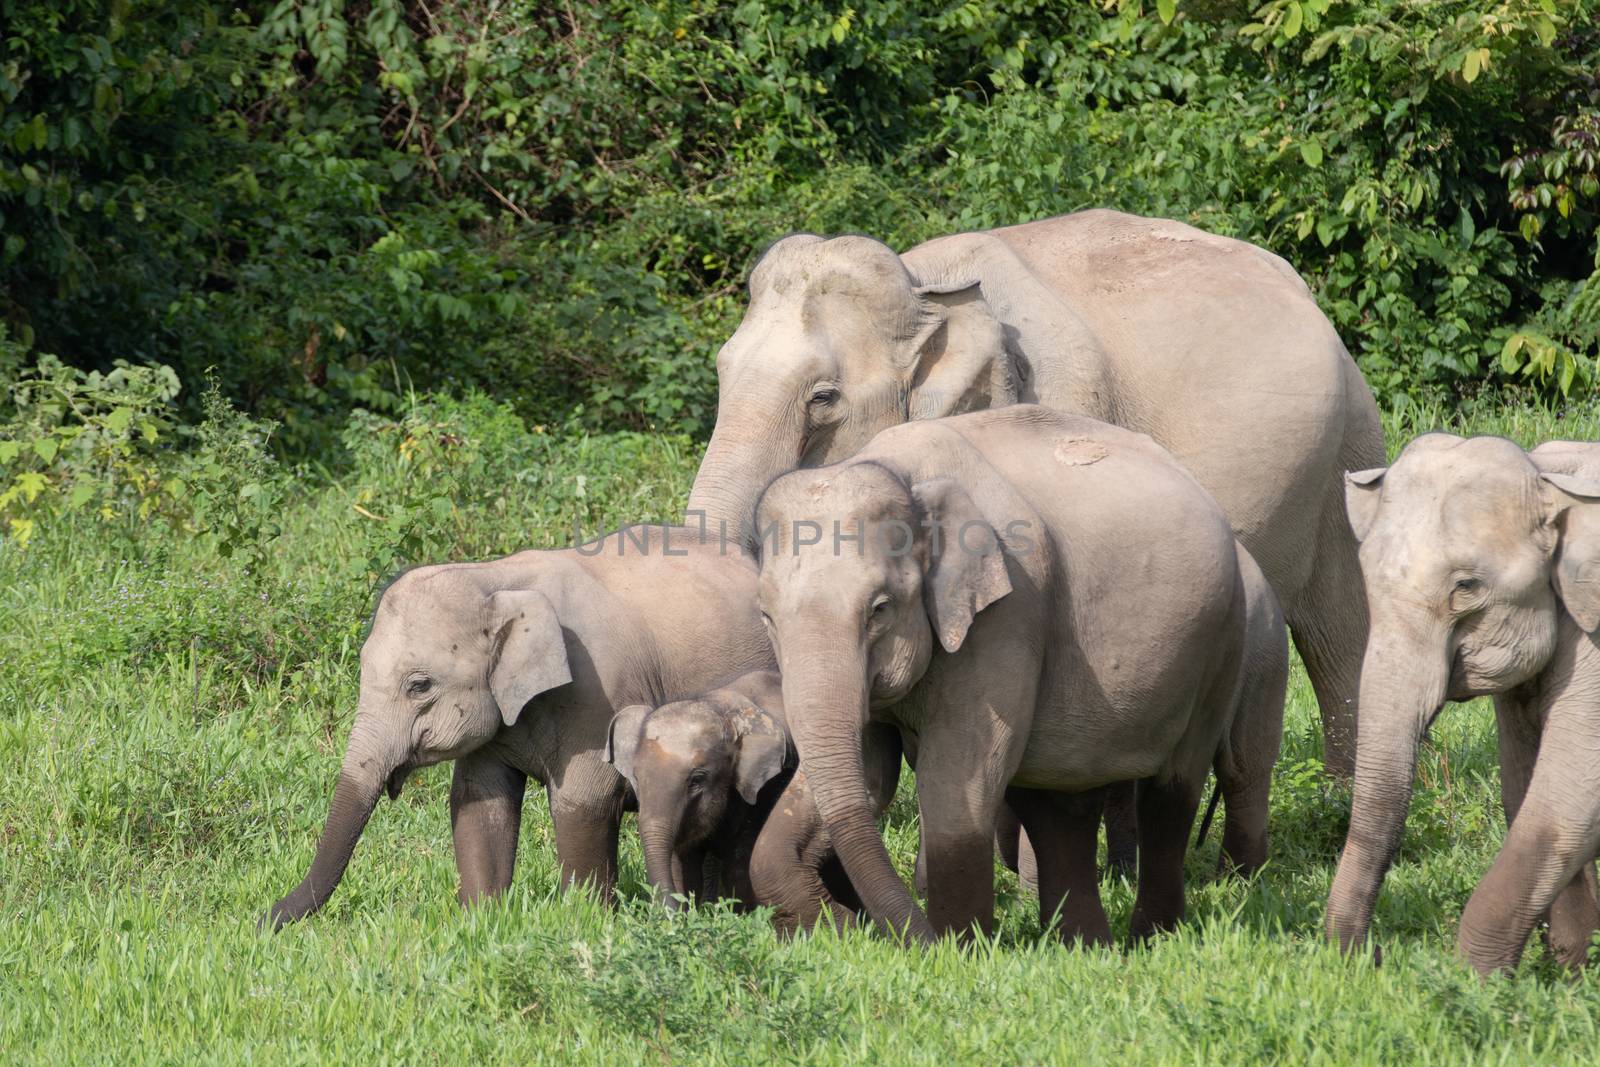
[[396, 779]]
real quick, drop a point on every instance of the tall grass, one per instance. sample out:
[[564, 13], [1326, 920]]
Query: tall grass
[[170, 730]]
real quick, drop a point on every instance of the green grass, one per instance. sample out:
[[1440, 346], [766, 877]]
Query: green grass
[[170, 729]]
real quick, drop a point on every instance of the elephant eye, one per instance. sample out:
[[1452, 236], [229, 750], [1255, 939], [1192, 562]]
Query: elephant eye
[[419, 686], [697, 776], [1464, 595], [823, 397], [880, 607]]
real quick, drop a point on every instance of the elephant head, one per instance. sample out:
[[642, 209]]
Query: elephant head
[[1469, 555], [685, 761], [448, 664], [854, 627], [838, 343]]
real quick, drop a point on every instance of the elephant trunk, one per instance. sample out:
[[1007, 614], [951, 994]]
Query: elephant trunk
[[362, 779], [827, 702], [740, 460], [1404, 682], [658, 837]]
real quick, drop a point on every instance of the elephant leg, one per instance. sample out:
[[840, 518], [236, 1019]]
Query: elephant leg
[[1007, 834], [1575, 914], [960, 790], [1016, 850], [1028, 861], [1329, 623], [1574, 919], [1064, 830], [586, 813], [1122, 829], [788, 861], [1166, 817], [1545, 867], [485, 819]]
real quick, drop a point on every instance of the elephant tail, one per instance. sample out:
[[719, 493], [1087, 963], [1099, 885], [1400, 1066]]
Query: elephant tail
[[1211, 810]]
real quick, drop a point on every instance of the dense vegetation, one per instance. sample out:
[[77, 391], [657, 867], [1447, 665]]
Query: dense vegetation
[[331, 201], [173, 706]]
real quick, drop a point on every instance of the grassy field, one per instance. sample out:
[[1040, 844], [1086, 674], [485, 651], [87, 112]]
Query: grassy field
[[170, 726]]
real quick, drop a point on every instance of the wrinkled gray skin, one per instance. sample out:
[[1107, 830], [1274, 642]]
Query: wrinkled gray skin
[[515, 668], [1070, 614], [1213, 347], [794, 869], [706, 771], [1244, 762], [1482, 565]]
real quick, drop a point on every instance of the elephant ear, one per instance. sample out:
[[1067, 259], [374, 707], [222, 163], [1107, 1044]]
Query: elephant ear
[[1573, 507], [763, 751], [527, 650], [966, 568], [622, 740], [961, 360], [1362, 490]]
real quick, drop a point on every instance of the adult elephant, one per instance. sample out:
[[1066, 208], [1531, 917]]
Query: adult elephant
[[1212, 346]]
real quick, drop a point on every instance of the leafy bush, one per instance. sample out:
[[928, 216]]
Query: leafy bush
[[86, 441], [335, 202]]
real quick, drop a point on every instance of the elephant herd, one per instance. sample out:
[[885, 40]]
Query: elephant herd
[[1030, 509]]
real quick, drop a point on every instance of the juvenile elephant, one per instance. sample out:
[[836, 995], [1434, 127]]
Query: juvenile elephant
[[1041, 604], [515, 668], [1482, 566], [1213, 347], [717, 773]]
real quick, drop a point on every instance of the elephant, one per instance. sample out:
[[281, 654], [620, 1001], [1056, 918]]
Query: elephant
[[1041, 604], [720, 770], [515, 668], [1482, 568], [1211, 346], [706, 772]]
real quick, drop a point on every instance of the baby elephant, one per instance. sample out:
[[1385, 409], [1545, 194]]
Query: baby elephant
[[706, 771], [715, 776]]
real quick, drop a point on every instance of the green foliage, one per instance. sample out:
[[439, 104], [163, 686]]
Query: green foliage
[[335, 202], [83, 441]]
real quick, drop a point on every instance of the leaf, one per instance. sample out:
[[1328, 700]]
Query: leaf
[[1466, 227], [1293, 21], [117, 422], [9, 451], [21, 530], [1167, 9], [30, 484], [1469, 67], [1569, 367], [46, 448], [1508, 354], [1311, 152]]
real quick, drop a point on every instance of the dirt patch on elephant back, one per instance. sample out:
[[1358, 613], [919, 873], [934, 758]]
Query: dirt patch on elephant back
[[1079, 451]]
